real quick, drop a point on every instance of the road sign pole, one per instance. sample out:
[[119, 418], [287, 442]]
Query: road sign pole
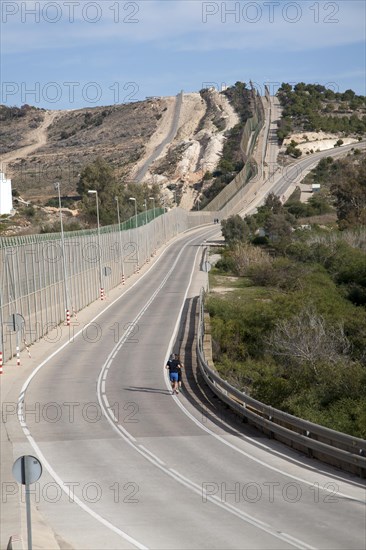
[[25, 481], [26, 470], [18, 346], [29, 521]]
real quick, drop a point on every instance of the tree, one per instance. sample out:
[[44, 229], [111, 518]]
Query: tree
[[349, 190], [98, 176], [234, 229], [278, 227], [273, 203], [272, 215]]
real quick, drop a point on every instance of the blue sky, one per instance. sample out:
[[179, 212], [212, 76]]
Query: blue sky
[[72, 54]]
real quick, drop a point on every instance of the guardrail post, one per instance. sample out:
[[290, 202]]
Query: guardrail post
[[309, 450], [271, 434]]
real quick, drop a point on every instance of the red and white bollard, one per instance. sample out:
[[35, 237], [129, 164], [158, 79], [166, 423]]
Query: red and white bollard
[[102, 293], [27, 348], [1, 362], [67, 318], [18, 356], [123, 279]]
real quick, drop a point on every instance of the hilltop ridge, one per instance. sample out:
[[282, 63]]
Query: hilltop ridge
[[38, 147]]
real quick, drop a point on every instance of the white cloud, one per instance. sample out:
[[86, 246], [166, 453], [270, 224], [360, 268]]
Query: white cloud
[[190, 25]]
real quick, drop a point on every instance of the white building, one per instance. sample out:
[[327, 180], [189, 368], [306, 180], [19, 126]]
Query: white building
[[6, 200]]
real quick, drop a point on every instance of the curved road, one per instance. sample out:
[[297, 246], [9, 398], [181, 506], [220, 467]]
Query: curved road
[[127, 465], [283, 180]]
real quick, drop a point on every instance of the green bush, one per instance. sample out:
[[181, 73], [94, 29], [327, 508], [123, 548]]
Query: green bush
[[226, 264], [297, 209], [318, 270]]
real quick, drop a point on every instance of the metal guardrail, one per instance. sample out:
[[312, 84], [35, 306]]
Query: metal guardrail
[[336, 448]]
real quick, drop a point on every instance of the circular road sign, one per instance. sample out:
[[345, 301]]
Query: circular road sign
[[27, 469]]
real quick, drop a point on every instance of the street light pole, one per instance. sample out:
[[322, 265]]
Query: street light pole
[[94, 192], [66, 292], [164, 221], [137, 237], [146, 234], [176, 212], [145, 205], [120, 242], [1, 331], [153, 199]]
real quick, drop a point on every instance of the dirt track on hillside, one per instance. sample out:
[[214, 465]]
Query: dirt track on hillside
[[37, 137]]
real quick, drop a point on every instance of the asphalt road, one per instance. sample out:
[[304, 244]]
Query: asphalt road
[[283, 180], [127, 465]]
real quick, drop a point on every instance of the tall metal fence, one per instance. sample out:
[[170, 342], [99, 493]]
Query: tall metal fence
[[42, 276], [229, 196]]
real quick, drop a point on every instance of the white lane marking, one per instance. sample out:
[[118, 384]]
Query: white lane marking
[[261, 462], [158, 462], [243, 515], [74, 498], [125, 432], [32, 442], [152, 455]]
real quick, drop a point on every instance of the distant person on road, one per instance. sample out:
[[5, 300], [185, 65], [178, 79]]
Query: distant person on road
[[172, 366]]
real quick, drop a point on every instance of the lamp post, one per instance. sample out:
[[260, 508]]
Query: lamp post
[[120, 242], [66, 292], [137, 237], [153, 199], [176, 213], [94, 192], [146, 234], [1, 333], [164, 221], [145, 206]]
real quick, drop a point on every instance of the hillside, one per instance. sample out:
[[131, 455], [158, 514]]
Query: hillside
[[17, 126], [315, 118], [39, 147], [74, 138]]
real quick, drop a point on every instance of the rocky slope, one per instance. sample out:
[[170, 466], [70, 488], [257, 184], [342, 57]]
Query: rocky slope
[[40, 147]]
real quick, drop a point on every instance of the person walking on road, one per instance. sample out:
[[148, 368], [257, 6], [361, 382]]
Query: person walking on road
[[173, 367]]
